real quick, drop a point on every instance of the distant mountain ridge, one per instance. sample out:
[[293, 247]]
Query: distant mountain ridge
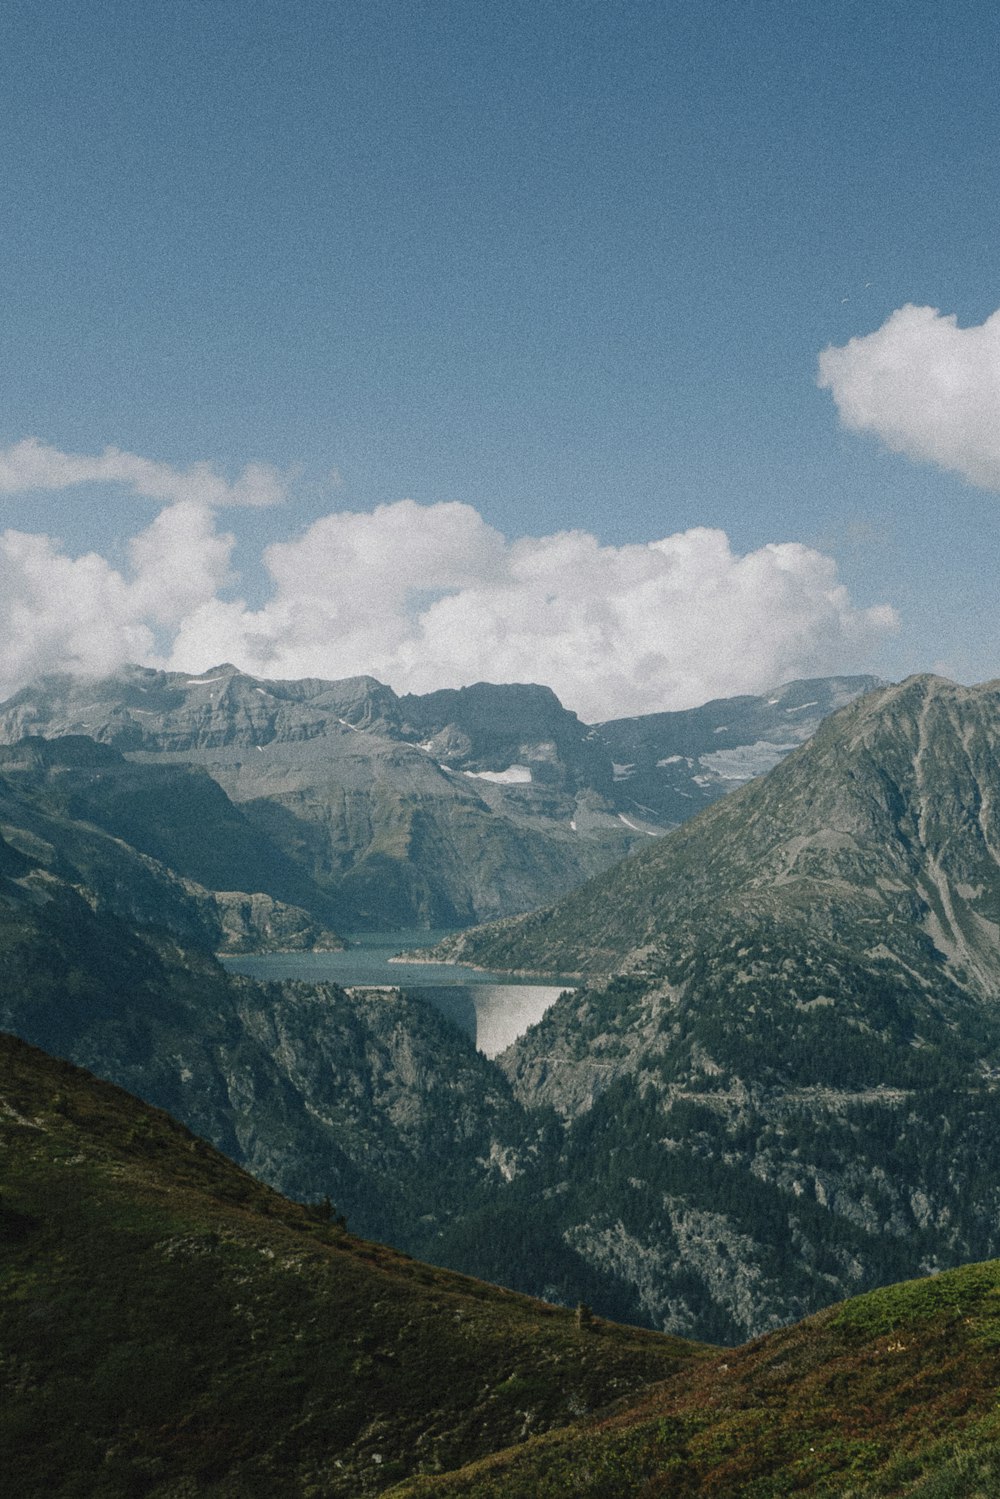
[[442, 809]]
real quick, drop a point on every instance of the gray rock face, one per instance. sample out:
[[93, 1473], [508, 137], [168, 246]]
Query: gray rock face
[[259, 923], [439, 810]]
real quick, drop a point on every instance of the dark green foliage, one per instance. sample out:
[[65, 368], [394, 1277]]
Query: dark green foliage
[[165, 1319]]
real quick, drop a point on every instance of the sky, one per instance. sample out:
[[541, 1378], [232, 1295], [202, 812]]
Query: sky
[[647, 350]]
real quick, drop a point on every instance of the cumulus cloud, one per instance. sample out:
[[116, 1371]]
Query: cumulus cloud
[[80, 614], [427, 596], [431, 596], [926, 387], [32, 465]]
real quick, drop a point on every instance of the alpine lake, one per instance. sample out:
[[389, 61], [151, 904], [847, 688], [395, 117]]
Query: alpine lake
[[493, 1009]]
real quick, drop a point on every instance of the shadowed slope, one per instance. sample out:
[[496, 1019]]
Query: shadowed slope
[[171, 1326]]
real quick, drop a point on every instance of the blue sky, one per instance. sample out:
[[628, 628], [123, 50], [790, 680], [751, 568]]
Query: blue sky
[[570, 265]]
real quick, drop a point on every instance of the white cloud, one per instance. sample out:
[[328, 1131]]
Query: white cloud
[[62, 614], [425, 596], [30, 464], [431, 596], [927, 387], [79, 614], [177, 563]]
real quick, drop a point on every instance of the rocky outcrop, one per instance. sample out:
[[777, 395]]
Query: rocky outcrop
[[260, 924]]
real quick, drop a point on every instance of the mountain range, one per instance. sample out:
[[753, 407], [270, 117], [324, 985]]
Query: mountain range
[[782, 1071], [370, 810], [777, 1085]]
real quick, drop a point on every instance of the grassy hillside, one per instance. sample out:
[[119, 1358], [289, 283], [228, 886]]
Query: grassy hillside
[[893, 1393], [171, 1327]]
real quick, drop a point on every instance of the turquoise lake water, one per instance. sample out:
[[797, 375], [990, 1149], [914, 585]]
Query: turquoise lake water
[[493, 1009]]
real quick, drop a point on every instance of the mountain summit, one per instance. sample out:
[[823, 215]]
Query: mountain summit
[[883, 832]]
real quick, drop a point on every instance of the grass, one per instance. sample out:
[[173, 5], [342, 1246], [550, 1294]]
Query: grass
[[171, 1327], [894, 1393]]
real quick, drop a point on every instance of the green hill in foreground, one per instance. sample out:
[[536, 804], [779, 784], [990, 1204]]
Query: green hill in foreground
[[169, 1327], [172, 1328], [893, 1393]]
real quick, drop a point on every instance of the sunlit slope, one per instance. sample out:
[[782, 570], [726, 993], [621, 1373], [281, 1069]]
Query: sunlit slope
[[788, 1092], [171, 1326], [893, 1393]]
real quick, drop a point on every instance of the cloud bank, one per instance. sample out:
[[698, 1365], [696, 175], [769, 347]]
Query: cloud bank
[[427, 596], [926, 387]]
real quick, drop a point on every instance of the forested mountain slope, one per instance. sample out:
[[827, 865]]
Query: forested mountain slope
[[789, 1090]]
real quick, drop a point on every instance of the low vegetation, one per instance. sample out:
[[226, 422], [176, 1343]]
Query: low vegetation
[[171, 1327], [893, 1393]]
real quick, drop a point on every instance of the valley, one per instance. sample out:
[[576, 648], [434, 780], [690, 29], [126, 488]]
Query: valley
[[747, 1071]]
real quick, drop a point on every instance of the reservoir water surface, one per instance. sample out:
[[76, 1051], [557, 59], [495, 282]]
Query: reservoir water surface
[[493, 1009]]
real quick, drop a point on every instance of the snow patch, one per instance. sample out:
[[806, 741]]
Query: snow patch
[[514, 775], [634, 826], [745, 761]]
